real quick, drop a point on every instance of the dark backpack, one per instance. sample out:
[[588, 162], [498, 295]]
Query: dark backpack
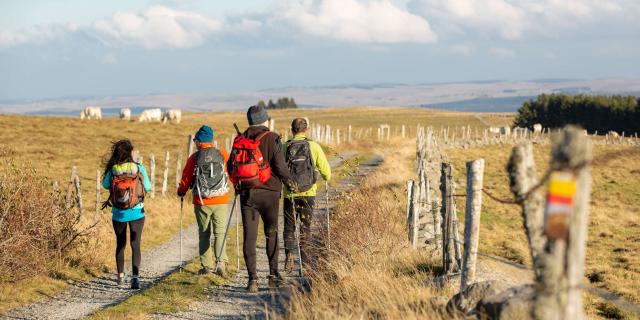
[[127, 189], [210, 179], [300, 163]]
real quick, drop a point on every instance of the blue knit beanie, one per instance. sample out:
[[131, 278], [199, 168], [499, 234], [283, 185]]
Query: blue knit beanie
[[204, 134]]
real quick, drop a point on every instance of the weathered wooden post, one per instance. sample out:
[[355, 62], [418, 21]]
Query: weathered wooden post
[[178, 170], [76, 183], [409, 199], [403, 131], [559, 293], [190, 146], [475, 171], [413, 222], [337, 136], [98, 185], [152, 167], [165, 176], [349, 134], [446, 188], [327, 132], [436, 224]]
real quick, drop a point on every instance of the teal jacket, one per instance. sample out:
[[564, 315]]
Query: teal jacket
[[319, 159], [135, 213]]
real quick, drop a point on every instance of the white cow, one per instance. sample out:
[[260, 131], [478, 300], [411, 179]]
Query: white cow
[[537, 128], [494, 130], [91, 113], [150, 115], [125, 114], [613, 134], [172, 115], [505, 131]]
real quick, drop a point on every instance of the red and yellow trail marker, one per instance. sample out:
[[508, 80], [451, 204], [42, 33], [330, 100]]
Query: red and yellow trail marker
[[560, 198]]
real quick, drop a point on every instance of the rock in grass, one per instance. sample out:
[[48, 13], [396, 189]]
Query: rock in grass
[[513, 303], [467, 300]]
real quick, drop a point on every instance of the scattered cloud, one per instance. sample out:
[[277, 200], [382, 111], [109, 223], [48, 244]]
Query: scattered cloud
[[35, 34], [376, 21], [159, 27], [516, 19], [502, 52]]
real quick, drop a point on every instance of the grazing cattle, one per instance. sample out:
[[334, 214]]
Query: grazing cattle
[[150, 115], [494, 130], [505, 131], [537, 128], [613, 134], [125, 114], [172, 115], [91, 113]]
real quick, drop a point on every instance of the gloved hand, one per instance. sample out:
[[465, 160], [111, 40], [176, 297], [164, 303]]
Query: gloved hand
[[293, 186]]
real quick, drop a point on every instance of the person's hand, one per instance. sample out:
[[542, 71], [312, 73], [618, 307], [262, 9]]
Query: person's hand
[[181, 194], [293, 187]]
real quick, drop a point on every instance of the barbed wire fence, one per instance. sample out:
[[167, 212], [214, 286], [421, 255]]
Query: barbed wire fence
[[571, 157]]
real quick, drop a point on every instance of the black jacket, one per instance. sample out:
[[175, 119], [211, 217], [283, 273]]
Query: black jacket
[[271, 149]]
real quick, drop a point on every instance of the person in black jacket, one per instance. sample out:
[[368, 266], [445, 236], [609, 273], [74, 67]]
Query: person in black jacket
[[263, 200]]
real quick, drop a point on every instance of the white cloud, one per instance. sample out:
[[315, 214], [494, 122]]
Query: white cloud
[[159, 27], [375, 21], [502, 52], [35, 34], [515, 19]]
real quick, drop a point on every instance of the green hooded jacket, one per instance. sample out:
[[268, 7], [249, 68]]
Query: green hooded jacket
[[319, 159]]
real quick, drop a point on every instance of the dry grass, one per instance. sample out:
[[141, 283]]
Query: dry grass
[[372, 273], [613, 247]]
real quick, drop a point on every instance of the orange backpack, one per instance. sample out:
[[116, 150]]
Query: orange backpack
[[127, 189]]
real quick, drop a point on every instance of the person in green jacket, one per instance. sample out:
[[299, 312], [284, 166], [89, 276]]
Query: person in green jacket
[[305, 159]]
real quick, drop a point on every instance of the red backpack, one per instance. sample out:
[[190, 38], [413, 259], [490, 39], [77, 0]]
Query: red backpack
[[127, 188], [250, 169]]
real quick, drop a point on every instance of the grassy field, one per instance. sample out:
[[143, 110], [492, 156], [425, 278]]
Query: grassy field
[[52, 145], [613, 247]]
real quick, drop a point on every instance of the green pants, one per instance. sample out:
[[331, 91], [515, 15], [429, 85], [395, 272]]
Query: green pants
[[208, 218]]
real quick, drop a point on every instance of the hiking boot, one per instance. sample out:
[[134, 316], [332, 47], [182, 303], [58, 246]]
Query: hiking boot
[[135, 284], [252, 286], [205, 271], [222, 269], [276, 281], [290, 263]]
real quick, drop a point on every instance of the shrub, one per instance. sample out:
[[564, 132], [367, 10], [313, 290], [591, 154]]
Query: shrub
[[38, 230]]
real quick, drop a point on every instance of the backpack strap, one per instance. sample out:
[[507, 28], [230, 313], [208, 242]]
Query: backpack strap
[[262, 135]]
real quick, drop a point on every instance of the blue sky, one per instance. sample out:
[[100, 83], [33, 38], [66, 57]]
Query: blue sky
[[71, 48]]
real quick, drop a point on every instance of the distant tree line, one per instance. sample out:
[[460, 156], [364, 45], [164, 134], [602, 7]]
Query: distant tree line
[[601, 113], [282, 103]]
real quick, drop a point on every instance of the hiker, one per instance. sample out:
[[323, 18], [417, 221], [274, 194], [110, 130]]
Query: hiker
[[257, 170], [206, 175], [305, 159], [127, 182]]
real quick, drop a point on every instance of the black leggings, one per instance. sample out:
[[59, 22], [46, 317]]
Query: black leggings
[[260, 203], [135, 229]]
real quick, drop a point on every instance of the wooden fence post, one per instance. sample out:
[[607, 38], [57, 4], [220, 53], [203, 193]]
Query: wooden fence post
[[409, 199], [178, 170], [522, 178], [98, 185], [190, 145], [413, 219], [76, 183], [165, 176], [447, 211], [559, 292], [349, 134], [152, 167], [475, 171]]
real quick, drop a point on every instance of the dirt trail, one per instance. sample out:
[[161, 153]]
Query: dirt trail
[[84, 298], [231, 301]]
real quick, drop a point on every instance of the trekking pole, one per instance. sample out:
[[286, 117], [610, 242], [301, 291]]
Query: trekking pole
[[297, 233], [225, 233], [237, 244], [181, 213], [326, 209]]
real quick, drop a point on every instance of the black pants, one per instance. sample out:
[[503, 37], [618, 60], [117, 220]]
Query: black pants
[[135, 230], [304, 210], [265, 203]]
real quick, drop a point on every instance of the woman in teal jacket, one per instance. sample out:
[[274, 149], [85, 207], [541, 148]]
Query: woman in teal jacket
[[121, 164]]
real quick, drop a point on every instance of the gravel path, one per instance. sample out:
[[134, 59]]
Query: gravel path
[[84, 298], [231, 301]]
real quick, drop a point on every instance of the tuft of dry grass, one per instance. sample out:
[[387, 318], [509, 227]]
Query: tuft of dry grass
[[371, 272]]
